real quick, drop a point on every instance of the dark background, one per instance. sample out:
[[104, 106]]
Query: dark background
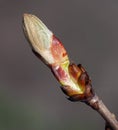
[[30, 97]]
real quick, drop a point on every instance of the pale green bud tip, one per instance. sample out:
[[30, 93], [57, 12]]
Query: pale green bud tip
[[43, 41], [39, 36]]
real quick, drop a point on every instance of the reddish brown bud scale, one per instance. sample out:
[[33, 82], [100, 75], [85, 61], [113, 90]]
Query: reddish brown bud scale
[[58, 51], [80, 76], [59, 73], [74, 71]]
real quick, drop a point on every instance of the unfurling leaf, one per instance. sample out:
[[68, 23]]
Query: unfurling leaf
[[74, 79]]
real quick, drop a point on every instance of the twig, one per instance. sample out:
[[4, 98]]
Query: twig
[[99, 106], [74, 79]]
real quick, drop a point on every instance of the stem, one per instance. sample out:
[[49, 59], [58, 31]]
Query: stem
[[74, 79], [99, 106]]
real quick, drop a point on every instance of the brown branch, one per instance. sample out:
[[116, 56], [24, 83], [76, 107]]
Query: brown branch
[[99, 106]]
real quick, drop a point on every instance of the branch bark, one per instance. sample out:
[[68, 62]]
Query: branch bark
[[100, 107]]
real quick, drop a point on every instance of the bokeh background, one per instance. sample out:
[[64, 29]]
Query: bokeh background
[[30, 97]]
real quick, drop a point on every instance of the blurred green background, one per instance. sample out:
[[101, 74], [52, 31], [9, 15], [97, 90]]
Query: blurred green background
[[30, 97]]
